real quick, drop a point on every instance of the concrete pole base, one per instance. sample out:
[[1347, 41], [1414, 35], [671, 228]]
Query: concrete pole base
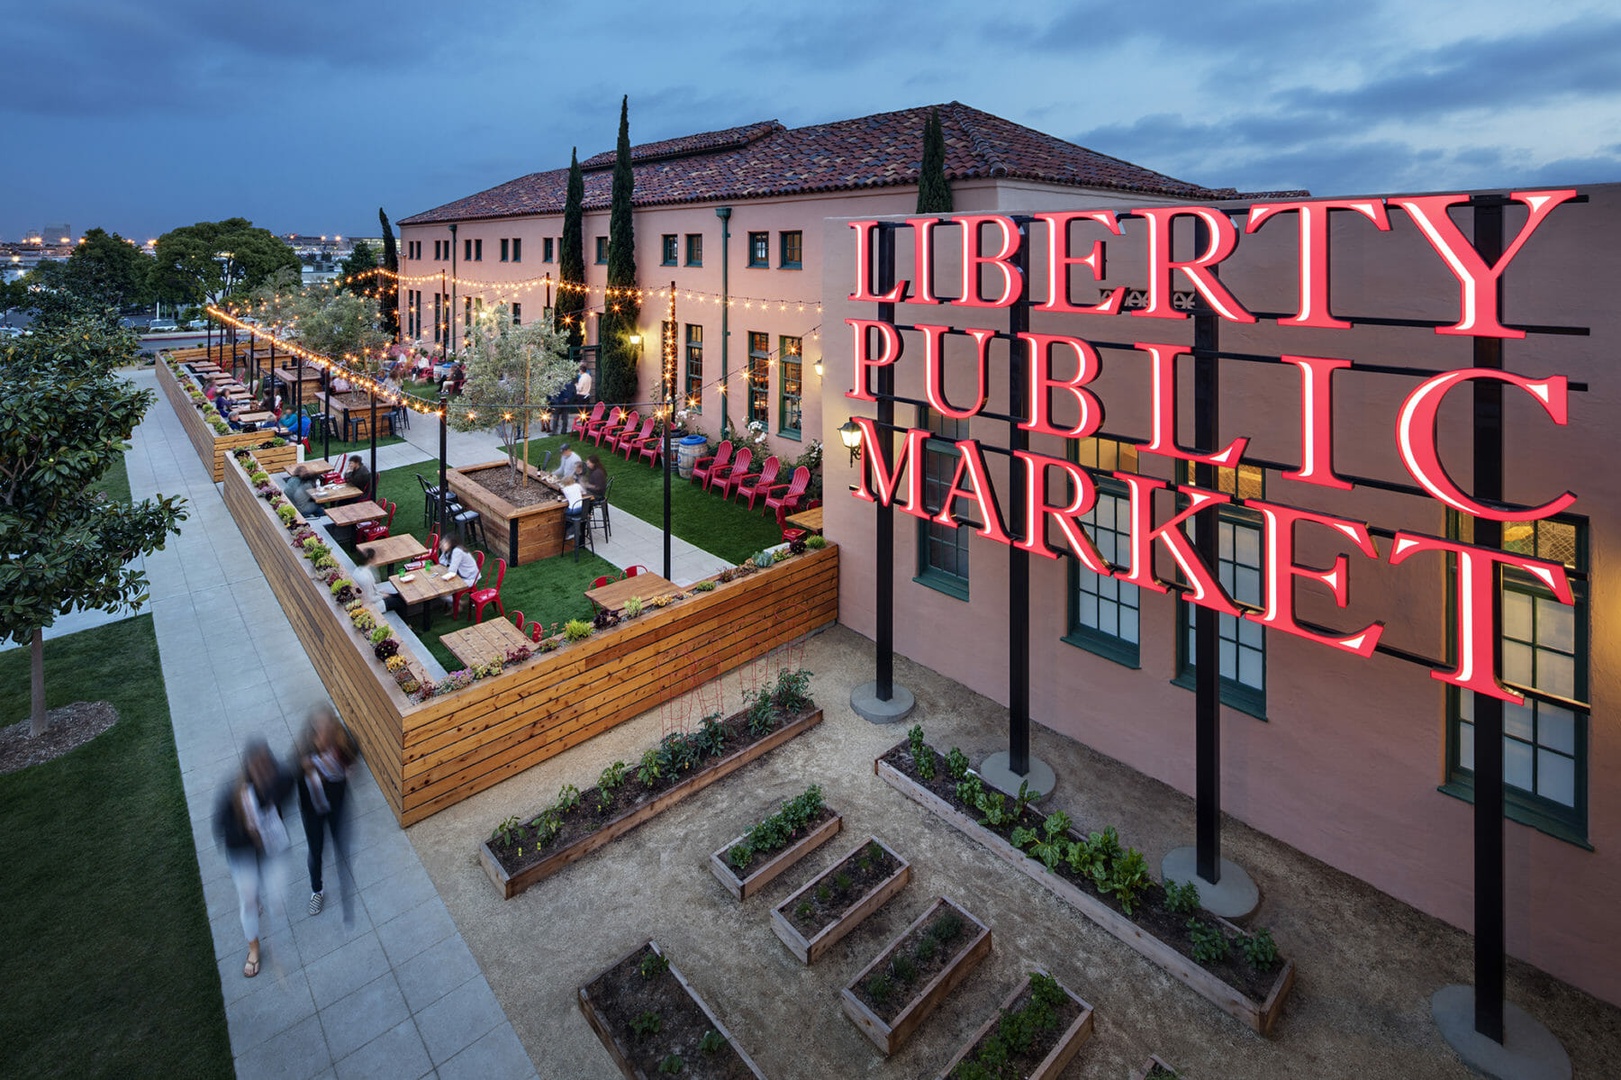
[[1235, 896], [864, 700], [1528, 1051], [996, 772]]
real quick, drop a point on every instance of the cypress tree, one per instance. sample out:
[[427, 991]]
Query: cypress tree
[[620, 313], [388, 287], [933, 189], [570, 309]]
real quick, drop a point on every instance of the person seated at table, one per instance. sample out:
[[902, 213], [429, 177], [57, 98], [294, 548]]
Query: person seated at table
[[596, 478], [211, 392], [358, 475], [574, 493], [295, 425], [298, 493], [570, 464], [456, 559], [374, 592], [340, 385], [458, 378]]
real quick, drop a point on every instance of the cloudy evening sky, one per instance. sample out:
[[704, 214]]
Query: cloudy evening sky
[[306, 115]]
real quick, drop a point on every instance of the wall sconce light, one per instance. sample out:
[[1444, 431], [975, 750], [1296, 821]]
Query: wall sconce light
[[817, 367], [850, 435]]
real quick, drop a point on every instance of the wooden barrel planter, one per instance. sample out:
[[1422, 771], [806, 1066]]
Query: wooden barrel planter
[[889, 1035], [520, 534], [812, 946], [1065, 1043]]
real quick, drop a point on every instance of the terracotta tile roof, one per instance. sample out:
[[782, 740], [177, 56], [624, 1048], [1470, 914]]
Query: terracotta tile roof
[[766, 159]]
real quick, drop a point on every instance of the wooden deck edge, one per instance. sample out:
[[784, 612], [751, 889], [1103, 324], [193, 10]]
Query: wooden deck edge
[[743, 888], [1229, 999], [513, 884]]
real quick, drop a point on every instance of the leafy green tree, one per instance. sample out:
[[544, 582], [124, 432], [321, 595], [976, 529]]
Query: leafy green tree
[[509, 367], [340, 325], [933, 189], [617, 379], [362, 259], [389, 292], [64, 418], [107, 271], [208, 261], [571, 255], [277, 300]]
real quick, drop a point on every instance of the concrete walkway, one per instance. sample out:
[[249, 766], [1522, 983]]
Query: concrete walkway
[[397, 994]]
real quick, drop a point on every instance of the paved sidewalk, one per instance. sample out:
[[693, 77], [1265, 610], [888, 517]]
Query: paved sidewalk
[[398, 994]]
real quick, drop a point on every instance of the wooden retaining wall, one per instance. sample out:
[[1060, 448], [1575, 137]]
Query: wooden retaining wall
[[212, 448], [524, 534], [430, 755]]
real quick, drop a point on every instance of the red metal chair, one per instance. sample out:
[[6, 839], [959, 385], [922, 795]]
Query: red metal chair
[[456, 597], [637, 570], [535, 634], [588, 426], [336, 475], [756, 484], [719, 477], [785, 498], [517, 620], [651, 449], [367, 531], [630, 436], [601, 581], [722, 458], [480, 598], [433, 549]]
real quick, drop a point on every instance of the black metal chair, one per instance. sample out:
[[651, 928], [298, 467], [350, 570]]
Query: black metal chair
[[579, 528], [599, 517], [470, 525]]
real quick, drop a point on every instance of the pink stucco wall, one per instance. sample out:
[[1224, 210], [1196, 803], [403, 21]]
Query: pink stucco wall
[[1347, 764]]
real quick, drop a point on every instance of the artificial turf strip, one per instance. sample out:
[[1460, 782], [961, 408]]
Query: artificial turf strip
[[115, 481], [549, 591], [106, 960], [703, 519]]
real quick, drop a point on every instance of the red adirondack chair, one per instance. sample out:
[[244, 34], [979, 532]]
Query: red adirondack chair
[[718, 477], [480, 598], [588, 426], [701, 467], [758, 484], [785, 498], [735, 477], [651, 449], [615, 427], [631, 440]]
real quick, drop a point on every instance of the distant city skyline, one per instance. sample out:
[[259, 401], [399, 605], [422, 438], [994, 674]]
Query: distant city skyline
[[147, 117]]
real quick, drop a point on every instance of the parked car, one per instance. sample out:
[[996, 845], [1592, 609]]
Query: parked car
[[163, 326], [12, 331]]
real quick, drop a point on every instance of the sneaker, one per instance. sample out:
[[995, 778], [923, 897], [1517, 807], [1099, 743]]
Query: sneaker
[[316, 900]]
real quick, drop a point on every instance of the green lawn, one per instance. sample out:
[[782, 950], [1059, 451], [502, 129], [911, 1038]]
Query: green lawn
[[550, 591], [115, 482], [107, 967], [705, 520]]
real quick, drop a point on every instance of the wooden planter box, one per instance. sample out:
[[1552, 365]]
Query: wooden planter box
[[1063, 1051], [766, 872], [1260, 1016], [889, 1037], [811, 950], [211, 448], [620, 1053], [1142, 1071], [521, 534], [511, 885]]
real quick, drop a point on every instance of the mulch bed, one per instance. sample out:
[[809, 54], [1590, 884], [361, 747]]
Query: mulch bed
[[863, 870], [502, 482], [914, 961], [71, 727], [1149, 913], [623, 994]]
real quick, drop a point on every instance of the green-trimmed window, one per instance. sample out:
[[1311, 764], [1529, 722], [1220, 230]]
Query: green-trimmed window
[[759, 249], [1545, 657], [790, 386], [670, 246], [695, 249], [759, 403], [942, 550], [1104, 612], [1241, 643], [602, 251], [695, 367], [793, 249]]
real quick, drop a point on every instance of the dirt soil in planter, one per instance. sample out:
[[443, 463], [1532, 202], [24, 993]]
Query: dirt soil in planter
[[1022, 1064], [914, 960], [864, 873], [761, 857], [501, 481], [1368, 963], [623, 995], [1149, 913]]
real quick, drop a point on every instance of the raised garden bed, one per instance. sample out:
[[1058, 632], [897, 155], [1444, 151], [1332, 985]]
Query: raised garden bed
[[909, 979], [1253, 994], [824, 911], [521, 531], [195, 413], [1154, 1069], [748, 863], [520, 853], [652, 1022], [1037, 1032]]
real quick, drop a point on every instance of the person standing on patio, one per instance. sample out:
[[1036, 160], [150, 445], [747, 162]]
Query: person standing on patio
[[325, 754], [249, 824], [582, 385]]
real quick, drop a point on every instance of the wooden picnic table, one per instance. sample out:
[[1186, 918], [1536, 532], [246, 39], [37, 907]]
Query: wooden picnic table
[[351, 513], [306, 469], [809, 520], [425, 587], [289, 376], [612, 596], [391, 550], [485, 641], [335, 493], [253, 417]]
